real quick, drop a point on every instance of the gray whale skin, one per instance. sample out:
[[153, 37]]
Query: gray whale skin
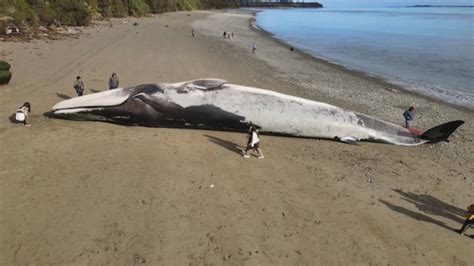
[[215, 104]]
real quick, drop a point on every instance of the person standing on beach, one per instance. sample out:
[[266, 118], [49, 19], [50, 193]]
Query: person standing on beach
[[409, 116], [192, 32], [253, 142], [113, 82], [254, 47], [79, 86], [469, 222], [225, 34]]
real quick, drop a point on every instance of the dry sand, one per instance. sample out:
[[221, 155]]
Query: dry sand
[[89, 193]]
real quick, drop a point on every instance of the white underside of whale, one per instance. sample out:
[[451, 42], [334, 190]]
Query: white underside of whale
[[284, 114]]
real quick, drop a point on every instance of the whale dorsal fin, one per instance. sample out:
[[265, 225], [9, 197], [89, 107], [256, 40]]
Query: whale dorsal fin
[[207, 84]]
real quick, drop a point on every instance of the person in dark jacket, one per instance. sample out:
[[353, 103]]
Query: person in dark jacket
[[409, 116], [79, 86], [113, 82]]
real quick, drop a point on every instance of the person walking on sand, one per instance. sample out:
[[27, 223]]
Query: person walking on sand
[[21, 114], [225, 34], [469, 222], [79, 86], [253, 142], [254, 47], [113, 82], [409, 116], [192, 32]]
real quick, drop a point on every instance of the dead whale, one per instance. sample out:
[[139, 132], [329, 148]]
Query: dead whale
[[215, 104]]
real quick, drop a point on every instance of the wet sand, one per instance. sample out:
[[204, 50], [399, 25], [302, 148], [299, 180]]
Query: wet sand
[[89, 193]]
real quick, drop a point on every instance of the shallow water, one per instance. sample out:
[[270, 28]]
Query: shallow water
[[428, 50]]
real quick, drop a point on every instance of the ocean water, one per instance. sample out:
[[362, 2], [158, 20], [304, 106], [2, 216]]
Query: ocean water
[[427, 50]]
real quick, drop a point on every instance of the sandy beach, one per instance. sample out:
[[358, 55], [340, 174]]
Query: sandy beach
[[90, 193]]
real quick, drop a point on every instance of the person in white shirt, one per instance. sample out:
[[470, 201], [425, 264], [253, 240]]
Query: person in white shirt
[[253, 142], [21, 114]]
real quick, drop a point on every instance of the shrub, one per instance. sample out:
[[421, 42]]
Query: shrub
[[4, 66], [19, 10], [5, 77], [71, 12], [138, 8]]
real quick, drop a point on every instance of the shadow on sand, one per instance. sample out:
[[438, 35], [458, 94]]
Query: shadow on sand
[[428, 205], [431, 205], [225, 144], [95, 91], [63, 96], [12, 119]]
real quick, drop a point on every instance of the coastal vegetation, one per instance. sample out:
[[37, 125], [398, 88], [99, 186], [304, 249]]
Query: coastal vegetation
[[80, 12], [5, 74]]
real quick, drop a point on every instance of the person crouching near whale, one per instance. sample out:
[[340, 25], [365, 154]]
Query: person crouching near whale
[[113, 82], [253, 142], [409, 116], [469, 222], [21, 114]]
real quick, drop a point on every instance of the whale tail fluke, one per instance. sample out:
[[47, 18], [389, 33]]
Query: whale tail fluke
[[441, 132]]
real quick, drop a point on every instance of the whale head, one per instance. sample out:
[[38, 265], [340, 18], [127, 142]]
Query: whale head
[[147, 104], [118, 105]]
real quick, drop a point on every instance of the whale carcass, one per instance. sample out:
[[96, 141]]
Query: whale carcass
[[215, 104]]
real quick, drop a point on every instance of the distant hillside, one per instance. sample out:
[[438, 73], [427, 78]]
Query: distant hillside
[[281, 4], [80, 12]]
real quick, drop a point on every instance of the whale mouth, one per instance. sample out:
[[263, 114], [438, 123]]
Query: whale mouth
[[92, 102]]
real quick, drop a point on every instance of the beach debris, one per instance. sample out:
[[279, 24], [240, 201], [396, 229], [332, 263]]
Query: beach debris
[[369, 179], [166, 26], [124, 21], [391, 90], [211, 186], [135, 24], [139, 259], [292, 49], [12, 29]]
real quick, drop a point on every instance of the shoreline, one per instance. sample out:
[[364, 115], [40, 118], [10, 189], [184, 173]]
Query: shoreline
[[374, 78]]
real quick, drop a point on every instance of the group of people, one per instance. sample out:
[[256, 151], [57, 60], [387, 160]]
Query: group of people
[[21, 114], [230, 35], [80, 88]]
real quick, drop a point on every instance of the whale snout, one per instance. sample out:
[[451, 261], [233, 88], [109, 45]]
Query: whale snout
[[89, 104]]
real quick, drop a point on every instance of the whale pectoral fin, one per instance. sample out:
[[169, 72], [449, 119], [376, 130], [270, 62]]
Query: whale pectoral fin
[[207, 84], [348, 139], [441, 132]]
